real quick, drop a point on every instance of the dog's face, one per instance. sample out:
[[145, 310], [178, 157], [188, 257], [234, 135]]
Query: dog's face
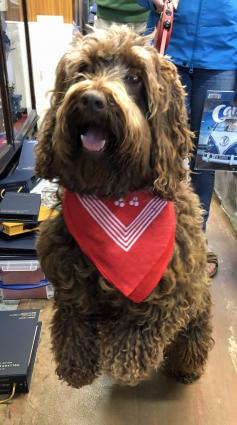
[[117, 120]]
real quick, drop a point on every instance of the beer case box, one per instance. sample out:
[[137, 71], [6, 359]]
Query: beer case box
[[217, 144]]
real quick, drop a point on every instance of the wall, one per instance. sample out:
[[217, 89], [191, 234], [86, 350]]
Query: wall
[[49, 7], [17, 62], [50, 37]]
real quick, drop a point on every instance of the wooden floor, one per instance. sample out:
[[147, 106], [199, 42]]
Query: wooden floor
[[161, 401]]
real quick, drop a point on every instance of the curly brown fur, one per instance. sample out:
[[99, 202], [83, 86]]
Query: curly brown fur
[[140, 110]]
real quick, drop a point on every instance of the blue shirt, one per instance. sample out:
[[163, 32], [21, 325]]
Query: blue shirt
[[204, 33]]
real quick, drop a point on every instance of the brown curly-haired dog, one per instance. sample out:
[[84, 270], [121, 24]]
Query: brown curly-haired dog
[[116, 84]]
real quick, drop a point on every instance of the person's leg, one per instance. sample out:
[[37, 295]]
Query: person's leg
[[186, 79]]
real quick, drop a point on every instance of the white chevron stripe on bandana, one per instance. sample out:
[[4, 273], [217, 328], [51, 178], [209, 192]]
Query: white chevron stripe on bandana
[[124, 236]]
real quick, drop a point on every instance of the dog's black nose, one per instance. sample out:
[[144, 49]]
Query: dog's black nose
[[94, 100]]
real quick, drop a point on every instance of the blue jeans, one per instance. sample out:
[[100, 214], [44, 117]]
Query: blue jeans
[[197, 83]]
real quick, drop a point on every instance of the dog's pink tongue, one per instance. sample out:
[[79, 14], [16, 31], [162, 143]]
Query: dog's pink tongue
[[93, 140]]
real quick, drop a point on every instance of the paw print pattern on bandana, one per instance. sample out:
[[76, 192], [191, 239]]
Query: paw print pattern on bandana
[[120, 203], [134, 202]]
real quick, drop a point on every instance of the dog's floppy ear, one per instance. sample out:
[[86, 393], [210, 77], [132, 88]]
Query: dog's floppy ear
[[170, 128], [45, 166]]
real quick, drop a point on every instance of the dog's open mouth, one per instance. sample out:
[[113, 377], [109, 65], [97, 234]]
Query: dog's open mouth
[[94, 139]]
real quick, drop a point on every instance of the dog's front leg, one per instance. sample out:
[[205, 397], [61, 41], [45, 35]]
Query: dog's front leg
[[186, 356], [75, 345], [74, 332], [130, 344]]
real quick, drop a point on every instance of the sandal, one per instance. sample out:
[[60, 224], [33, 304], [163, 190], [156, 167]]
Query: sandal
[[212, 259]]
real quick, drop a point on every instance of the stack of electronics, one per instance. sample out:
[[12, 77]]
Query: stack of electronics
[[20, 215], [19, 336], [22, 178]]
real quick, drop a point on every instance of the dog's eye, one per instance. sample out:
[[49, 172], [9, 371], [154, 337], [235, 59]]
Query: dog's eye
[[133, 79], [85, 68]]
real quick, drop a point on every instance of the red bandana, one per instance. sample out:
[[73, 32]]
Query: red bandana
[[130, 240]]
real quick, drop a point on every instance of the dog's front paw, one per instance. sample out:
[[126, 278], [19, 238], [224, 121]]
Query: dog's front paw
[[129, 354], [185, 377], [75, 373], [75, 344]]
